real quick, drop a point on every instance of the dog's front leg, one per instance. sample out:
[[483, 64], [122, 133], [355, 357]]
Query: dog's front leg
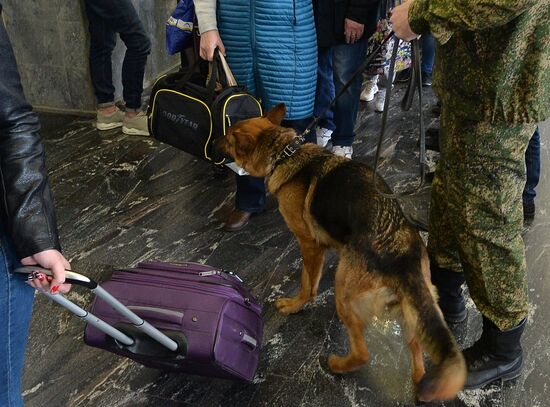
[[313, 256]]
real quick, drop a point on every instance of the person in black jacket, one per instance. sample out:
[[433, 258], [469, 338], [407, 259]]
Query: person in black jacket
[[28, 232], [343, 28]]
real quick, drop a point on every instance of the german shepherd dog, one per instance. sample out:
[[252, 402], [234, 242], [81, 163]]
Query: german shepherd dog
[[330, 202]]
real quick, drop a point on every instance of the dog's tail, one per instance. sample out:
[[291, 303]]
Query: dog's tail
[[424, 320]]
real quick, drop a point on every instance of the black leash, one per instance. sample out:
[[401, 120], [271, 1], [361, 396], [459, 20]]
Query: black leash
[[415, 81]]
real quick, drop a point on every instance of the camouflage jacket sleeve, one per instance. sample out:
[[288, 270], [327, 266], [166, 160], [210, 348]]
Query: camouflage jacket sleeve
[[443, 17]]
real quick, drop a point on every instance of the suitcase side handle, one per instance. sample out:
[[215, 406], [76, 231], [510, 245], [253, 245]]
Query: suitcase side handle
[[248, 340], [80, 279]]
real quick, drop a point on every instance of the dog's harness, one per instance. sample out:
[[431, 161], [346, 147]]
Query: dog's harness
[[289, 150]]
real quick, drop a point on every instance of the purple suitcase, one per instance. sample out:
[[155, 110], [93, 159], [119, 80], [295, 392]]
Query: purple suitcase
[[206, 316]]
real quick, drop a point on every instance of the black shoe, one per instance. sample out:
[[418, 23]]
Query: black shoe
[[497, 355], [455, 313], [403, 76], [529, 210], [426, 79], [451, 298]]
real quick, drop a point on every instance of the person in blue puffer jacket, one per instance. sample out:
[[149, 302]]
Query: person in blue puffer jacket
[[271, 48]]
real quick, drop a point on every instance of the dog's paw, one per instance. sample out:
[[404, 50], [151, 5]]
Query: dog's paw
[[345, 364], [335, 364], [289, 305]]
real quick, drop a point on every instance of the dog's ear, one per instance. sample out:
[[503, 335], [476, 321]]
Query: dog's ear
[[277, 114], [243, 144]]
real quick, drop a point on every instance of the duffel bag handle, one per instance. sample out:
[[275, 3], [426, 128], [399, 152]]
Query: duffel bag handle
[[216, 75], [220, 71], [231, 81], [226, 79], [80, 279]]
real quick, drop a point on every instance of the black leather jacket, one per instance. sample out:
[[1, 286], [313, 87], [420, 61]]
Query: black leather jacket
[[26, 206]]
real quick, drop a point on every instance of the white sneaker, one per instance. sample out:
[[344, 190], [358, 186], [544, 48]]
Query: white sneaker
[[342, 151], [136, 125], [369, 89], [323, 136], [109, 121], [379, 102]]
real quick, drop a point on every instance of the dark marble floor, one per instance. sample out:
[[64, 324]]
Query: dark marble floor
[[124, 199]]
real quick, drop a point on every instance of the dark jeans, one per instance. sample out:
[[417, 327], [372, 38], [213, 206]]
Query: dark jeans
[[16, 300], [428, 53], [341, 61], [106, 18], [250, 196], [325, 88], [532, 164]]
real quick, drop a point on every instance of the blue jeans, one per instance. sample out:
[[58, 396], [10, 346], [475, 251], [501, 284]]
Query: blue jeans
[[16, 299], [428, 53], [344, 59], [250, 195], [325, 88], [532, 164], [106, 18]]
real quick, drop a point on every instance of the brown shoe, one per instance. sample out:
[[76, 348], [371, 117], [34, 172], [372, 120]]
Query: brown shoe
[[236, 221]]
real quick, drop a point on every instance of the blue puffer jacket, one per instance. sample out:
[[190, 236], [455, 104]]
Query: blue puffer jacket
[[271, 48]]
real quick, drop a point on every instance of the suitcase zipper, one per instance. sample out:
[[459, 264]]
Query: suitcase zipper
[[245, 298], [245, 294], [219, 272], [160, 285]]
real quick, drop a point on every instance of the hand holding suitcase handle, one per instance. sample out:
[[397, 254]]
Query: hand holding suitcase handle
[[70, 276], [120, 337]]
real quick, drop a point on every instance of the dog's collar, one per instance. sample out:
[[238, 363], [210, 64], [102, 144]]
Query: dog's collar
[[289, 150]]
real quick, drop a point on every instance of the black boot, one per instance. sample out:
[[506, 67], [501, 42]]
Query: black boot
[[432, 139], [451, 299], [497, 355]]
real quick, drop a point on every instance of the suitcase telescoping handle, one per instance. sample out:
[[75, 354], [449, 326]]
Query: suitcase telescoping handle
[[79, 279]]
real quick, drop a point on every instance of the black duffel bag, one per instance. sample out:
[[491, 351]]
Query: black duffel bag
[[189, 114]]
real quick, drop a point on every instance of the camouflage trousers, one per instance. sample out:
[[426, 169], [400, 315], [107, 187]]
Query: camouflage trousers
[[476, 216]]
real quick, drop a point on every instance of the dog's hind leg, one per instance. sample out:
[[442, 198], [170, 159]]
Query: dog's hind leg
[[410, 326], [313, 256], [348, 292], [417, 361]]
